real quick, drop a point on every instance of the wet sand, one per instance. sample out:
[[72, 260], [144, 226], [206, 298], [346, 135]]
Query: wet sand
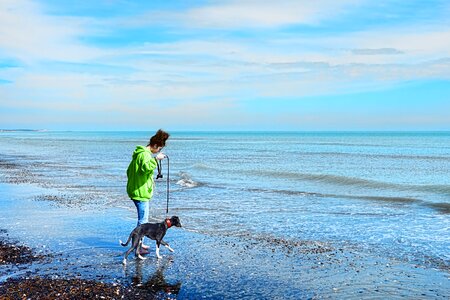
[[51, 241], [33, 286]]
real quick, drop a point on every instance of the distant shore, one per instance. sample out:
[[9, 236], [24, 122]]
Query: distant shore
[[22, 130]]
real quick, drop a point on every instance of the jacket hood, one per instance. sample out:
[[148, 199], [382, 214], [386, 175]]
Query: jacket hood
[[140, 149]]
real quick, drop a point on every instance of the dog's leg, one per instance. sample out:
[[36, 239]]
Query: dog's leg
[[167, 246], [157, 249], [138, 250], [124, 261], [143, 246], [134, 246]]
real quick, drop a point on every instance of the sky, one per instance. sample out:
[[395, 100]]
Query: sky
[[225, 65]]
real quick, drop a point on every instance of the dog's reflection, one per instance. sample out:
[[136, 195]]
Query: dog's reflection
[[156, 283]]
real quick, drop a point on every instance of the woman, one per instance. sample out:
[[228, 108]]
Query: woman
[[140, 173]]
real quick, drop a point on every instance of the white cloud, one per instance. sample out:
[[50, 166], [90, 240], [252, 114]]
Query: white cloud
[[244, 14], [297, 64], [264, 14], [416, 44], [378, 51], [27, 34]]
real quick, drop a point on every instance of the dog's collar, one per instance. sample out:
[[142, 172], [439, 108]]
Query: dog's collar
[[169, 224]]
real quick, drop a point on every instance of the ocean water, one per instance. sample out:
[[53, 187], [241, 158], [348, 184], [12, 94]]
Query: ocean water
[[386, 193]]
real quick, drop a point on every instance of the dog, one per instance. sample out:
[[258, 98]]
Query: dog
[[154, 231]]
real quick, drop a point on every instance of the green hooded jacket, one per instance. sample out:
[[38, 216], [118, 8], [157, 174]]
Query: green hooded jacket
[[140, 174]]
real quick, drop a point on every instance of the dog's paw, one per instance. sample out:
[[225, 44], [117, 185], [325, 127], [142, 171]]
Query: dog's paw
[[159, 256], [124, 261], [171, 250], [141, 257]]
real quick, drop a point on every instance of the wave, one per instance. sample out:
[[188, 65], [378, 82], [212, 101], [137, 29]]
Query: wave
[[373, 156], [339, 179], [356, 182], [381, 198], [187, 181], [327, 178], [434, 188], [324, 178], [441, 207], [202, 166], [284, 192], [343, 196]]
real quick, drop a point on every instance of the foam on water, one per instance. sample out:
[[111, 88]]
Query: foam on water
[[186, 180]]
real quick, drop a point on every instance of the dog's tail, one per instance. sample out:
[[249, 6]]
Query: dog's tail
[[129, 239]]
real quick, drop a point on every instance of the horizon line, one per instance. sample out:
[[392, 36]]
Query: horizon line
[[233, 130]]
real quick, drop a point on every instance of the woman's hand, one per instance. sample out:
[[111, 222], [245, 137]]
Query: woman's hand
[[160, 156]]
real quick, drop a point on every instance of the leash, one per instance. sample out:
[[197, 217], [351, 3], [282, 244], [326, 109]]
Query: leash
[[159, 175], [168, 183]]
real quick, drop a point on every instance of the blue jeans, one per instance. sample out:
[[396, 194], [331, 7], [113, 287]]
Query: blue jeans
[[142, 210]]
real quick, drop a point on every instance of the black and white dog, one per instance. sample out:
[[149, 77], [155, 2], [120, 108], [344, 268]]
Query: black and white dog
[[154, 231]]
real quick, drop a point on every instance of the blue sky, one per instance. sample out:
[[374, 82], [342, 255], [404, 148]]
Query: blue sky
[[225, 65]]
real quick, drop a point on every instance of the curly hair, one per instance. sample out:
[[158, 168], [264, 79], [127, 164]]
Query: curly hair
[[159, 139]]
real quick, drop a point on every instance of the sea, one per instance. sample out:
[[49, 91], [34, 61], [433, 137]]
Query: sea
[[384, 193]]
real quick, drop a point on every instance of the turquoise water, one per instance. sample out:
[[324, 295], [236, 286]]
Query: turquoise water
[[384, 193]]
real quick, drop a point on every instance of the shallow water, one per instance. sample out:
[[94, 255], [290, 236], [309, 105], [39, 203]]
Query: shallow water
[[255, 206], [84, 243]]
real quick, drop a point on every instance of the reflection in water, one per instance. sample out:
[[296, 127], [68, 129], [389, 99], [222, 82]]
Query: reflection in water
[[156, 284]]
